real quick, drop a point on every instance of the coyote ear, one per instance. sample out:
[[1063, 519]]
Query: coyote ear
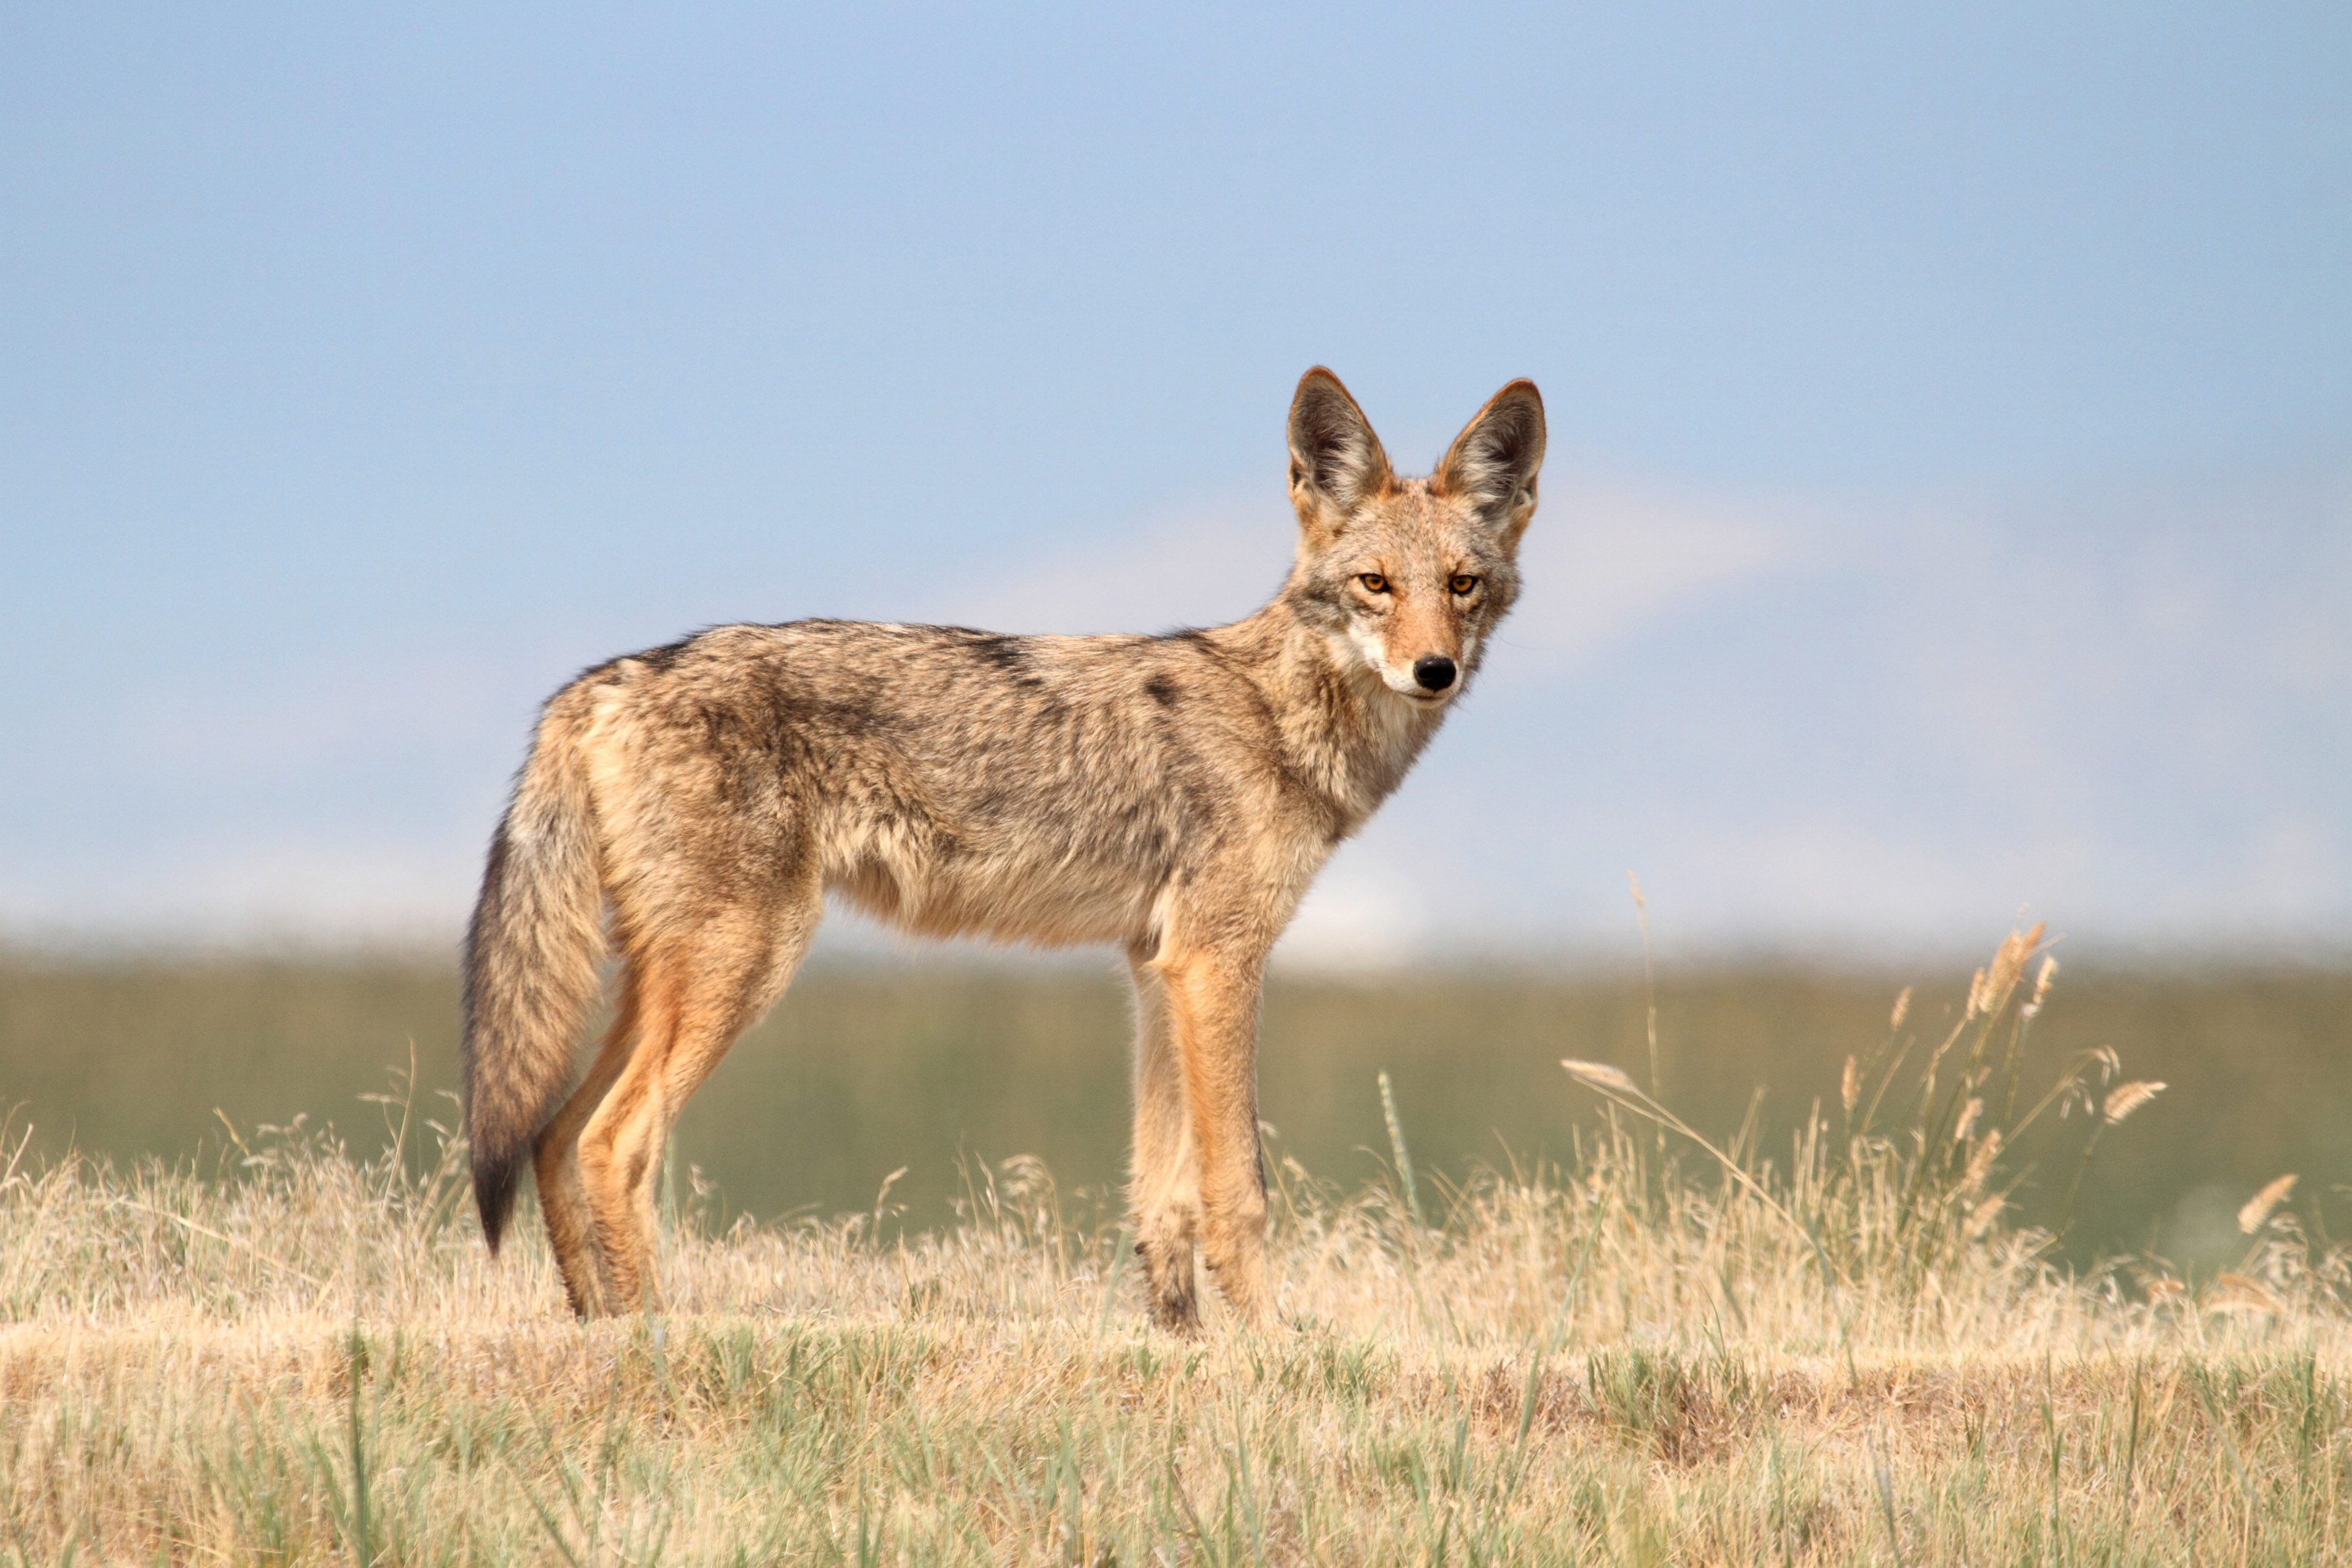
[[1335, 461], [1492, 464]]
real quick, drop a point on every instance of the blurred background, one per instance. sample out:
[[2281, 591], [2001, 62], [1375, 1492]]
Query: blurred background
[[1948, 524]]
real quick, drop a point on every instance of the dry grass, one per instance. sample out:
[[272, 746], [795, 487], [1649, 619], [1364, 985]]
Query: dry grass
[[1655, 1353]]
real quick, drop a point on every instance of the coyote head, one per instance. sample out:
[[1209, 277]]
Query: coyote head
[[1406, 576]]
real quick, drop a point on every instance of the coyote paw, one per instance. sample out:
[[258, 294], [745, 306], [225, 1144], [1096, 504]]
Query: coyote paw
[[1168, 1286]]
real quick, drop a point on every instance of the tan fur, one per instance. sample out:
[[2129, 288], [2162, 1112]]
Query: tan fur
[[1173, 795]]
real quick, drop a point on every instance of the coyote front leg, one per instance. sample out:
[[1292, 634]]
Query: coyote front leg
[[1164, 1188], [1213, 1003]]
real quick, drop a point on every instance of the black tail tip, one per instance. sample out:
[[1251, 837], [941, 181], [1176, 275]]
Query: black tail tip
[[494, 1194]]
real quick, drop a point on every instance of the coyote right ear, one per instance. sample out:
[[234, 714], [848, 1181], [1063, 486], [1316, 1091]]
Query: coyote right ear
[[1335, 461]]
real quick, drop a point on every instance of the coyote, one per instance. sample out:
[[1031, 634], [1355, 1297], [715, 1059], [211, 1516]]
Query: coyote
[[1172, 794]]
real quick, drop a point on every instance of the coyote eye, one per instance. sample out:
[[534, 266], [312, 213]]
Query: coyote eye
[[1374, 582], [1462, 582]]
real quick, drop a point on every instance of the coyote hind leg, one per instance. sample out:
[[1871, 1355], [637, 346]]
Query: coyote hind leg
[[694, 998], [555, 1163], [1163, 1192]]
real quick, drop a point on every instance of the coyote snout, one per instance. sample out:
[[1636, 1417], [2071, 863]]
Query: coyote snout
[[1171, 796]]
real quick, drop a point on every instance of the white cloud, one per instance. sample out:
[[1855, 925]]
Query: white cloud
[[1200, 563], [1605, 557], [255, 888], [1361, 916]]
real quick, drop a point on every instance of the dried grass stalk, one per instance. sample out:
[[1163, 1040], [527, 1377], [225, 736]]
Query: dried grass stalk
[[2234, 1293]]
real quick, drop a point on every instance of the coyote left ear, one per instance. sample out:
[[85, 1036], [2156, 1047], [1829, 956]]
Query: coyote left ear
[[1492, 464]]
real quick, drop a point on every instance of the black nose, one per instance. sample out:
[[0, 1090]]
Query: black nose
[[1433, 671]]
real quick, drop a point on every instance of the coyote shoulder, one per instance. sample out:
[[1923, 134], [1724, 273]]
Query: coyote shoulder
[[1173, 795]]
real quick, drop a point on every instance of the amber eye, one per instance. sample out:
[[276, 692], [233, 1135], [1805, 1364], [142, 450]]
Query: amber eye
[[1374, 582], [1462, 582]]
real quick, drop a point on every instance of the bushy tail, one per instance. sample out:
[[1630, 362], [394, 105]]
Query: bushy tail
[[530, 966]]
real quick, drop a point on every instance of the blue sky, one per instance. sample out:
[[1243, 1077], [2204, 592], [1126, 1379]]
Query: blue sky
[[1949, 510]]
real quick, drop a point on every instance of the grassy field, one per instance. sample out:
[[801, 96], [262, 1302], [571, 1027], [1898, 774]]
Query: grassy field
[[863, 1071], [1662, 1348]]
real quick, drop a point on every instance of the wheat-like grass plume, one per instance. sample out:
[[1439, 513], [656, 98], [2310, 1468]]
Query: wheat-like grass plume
[[2258, 1207], [2125, 1098], [1980, 1162], [1602, 1076], [2041, 986]]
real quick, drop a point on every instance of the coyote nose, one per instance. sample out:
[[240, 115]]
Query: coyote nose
[[1435, 671]]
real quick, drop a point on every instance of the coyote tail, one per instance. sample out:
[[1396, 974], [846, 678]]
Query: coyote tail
[[530, 966]]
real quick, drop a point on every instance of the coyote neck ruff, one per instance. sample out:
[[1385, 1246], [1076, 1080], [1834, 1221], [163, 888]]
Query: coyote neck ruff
[[1171, 795]]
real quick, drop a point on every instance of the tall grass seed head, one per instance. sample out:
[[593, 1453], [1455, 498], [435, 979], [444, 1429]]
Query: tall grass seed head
[[1980, 1162], [2041, 986], [2125, 1098], [2259, 1206], [1996, 981], [1602, 1076]]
